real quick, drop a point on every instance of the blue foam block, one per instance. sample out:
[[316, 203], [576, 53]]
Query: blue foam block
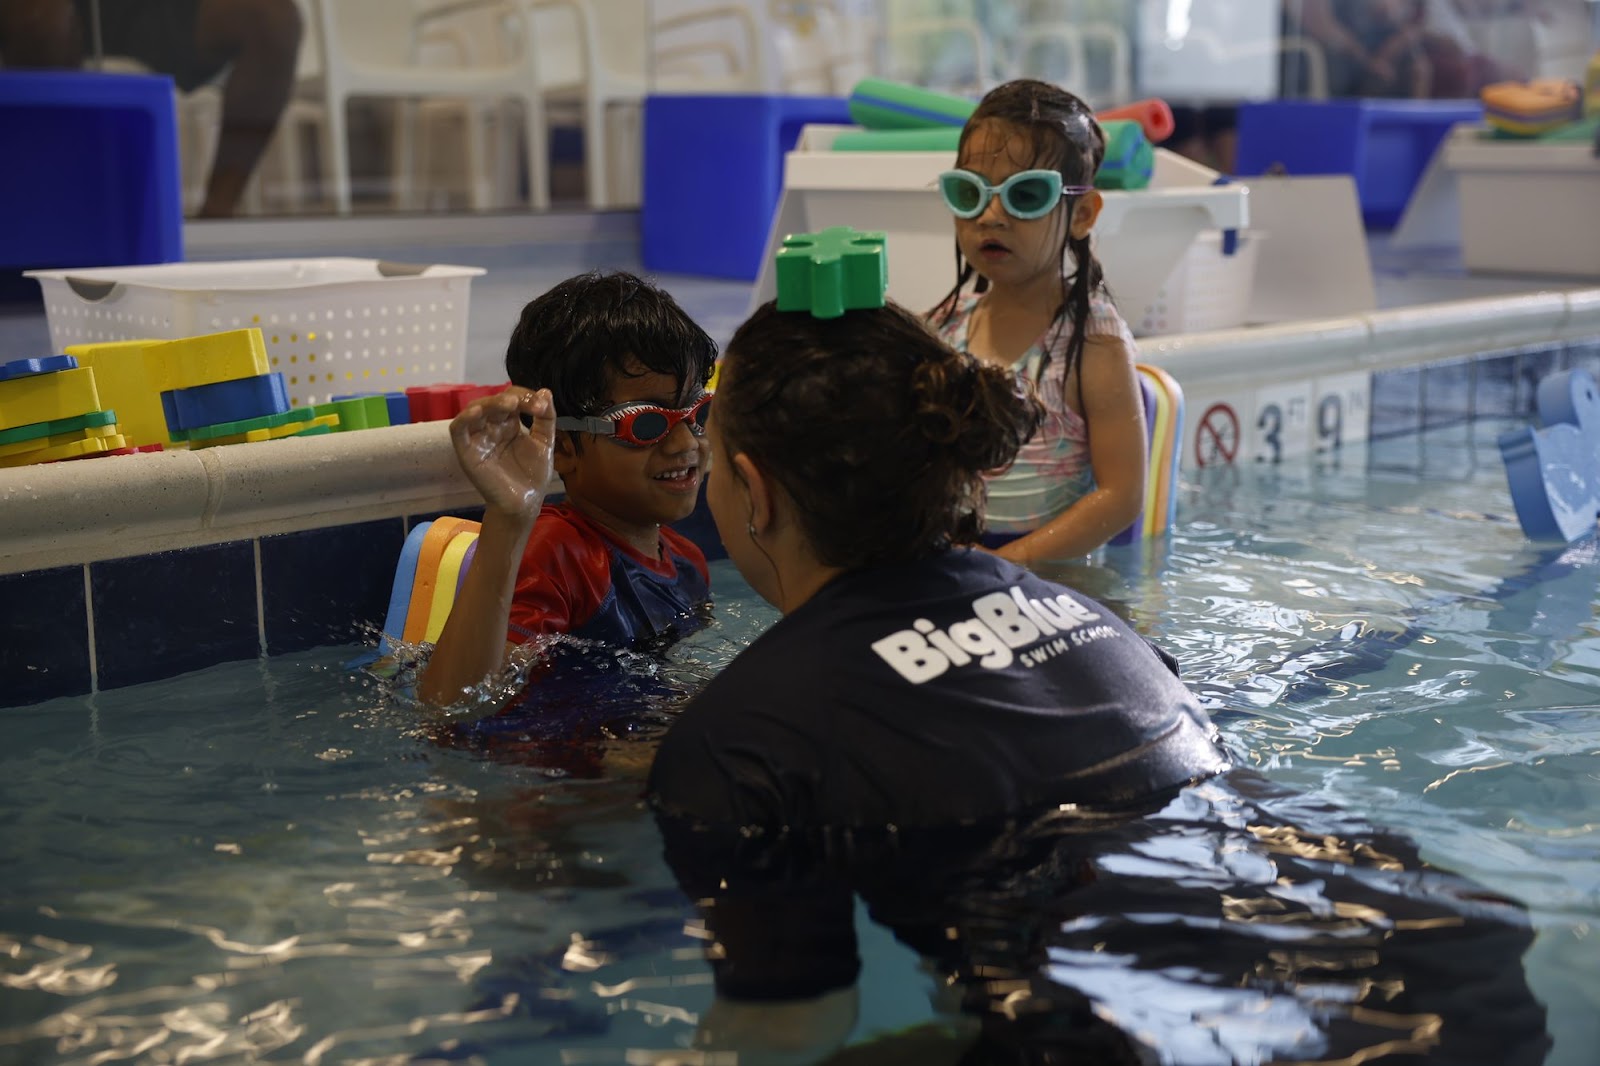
[[23, 368], [405, 576], [1554, 470], [225, 401], [733, 143]]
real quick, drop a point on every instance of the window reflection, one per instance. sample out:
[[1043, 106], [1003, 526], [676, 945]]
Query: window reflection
[[373, 106]]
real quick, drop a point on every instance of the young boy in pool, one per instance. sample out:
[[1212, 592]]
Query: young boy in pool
[[609, 392]]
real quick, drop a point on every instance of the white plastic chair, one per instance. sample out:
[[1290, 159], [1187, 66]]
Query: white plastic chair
[[596, 55], [369, 49], [1075, 41], [608, 53], [902, 34], [822, 47]]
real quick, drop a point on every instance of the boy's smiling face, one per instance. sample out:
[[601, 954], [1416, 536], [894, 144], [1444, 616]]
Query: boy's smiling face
[[632, 491]]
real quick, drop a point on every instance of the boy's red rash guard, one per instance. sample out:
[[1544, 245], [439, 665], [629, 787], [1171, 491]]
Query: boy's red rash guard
[[577, 578]]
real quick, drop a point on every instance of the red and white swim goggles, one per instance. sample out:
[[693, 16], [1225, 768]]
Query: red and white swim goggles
[[640, 425]]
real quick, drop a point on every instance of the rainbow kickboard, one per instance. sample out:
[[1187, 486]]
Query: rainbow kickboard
[[427, 578], [1166, 451], [420, 610], [452, 567]]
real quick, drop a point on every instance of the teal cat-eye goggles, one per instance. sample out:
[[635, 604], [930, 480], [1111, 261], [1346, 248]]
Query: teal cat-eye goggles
[[1026, 195]]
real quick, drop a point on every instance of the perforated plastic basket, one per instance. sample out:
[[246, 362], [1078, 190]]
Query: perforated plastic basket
[[1207, 290], [332, 326]]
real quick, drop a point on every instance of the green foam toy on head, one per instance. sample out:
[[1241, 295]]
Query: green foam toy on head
[[836, 270]]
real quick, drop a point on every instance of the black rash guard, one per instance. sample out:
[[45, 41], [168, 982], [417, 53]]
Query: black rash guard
[[954, 688], [1019, 787]]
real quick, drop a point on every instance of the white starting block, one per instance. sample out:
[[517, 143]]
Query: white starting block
[[1140, 238]]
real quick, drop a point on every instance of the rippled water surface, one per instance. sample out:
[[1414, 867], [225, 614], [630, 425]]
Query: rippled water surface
[[280, 862]]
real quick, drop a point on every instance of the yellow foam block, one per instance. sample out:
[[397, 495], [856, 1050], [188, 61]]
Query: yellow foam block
[[23, 446], [47, 397], [206, 360], [124, 385], [275, 433], [91, 446], [444, 586]]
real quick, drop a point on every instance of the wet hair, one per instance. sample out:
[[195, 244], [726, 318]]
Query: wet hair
[[1067, 139], [585, 333], [879, 431]]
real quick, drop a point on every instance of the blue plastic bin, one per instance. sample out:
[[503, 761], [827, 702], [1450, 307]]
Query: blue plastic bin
[[713, 172], [1384, 144], [88, 170]]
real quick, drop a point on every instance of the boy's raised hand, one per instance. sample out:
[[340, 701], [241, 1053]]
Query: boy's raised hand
[[508, 464]]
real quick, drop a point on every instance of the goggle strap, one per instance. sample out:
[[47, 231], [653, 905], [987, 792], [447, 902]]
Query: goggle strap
[[605, 427]]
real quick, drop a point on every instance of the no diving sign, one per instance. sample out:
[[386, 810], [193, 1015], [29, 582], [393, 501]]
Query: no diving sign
[[1216, 436]]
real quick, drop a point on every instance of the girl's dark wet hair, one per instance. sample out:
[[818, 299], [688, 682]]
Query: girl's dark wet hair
[[581, 335], [1066, 138], [879, 431]]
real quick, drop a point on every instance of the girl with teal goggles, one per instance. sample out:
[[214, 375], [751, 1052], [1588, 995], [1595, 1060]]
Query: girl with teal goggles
[[1025, 195]]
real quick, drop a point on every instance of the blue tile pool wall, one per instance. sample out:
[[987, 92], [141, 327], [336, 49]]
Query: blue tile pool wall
[[1408, 400], [44, 636], [327, 586], [154, 616], [72, 630]]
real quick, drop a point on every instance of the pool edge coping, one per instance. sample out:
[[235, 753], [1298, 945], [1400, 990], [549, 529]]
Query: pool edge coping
[[72, 513]]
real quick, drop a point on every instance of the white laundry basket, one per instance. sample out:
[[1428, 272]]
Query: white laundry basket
[[331, 326], [1207, 290]]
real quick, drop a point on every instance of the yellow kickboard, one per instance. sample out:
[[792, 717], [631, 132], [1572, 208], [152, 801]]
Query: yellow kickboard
[[48, 397]]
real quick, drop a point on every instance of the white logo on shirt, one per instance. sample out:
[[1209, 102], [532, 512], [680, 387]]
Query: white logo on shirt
[[1001, 623]]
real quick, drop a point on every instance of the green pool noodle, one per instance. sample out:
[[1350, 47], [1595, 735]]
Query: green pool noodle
[[878, 104], [945, 139], [1130, 157]]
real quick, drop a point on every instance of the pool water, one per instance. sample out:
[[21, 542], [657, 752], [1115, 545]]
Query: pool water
[[280, 861]]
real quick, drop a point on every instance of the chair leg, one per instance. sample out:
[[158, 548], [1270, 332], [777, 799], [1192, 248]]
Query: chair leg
[[480, 195], [403, 156], [534, 138], [595, 152], [507, 160], [287, 148], [338, 149]]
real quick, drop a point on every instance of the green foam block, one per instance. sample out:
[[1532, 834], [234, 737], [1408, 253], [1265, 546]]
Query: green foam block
[[358, 412], [828, 273], [35, 430], [245, 425]]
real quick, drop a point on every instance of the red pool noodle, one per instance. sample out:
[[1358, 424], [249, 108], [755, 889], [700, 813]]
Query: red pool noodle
[[1153, 115]]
